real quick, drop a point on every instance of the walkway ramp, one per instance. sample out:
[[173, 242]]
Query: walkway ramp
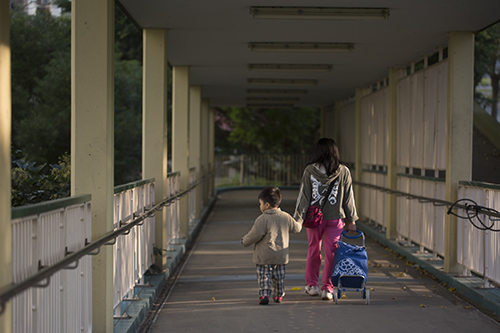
[[216, 288]]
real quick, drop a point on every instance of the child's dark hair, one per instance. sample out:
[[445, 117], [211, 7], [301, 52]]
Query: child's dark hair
[[271, 195]]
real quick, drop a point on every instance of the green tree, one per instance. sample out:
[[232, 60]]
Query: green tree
[[487, 61], [269, 131]]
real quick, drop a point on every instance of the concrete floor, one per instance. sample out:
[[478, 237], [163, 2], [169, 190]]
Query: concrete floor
[[216, 288]]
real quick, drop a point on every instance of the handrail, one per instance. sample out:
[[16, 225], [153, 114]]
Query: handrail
[[434, 201], [45, 273]]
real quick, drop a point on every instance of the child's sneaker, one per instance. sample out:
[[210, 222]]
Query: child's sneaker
[[312, 290], [278, 299], [264, 300]]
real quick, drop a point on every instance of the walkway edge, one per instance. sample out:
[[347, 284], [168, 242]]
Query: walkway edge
[[138, 310], [469, 287]]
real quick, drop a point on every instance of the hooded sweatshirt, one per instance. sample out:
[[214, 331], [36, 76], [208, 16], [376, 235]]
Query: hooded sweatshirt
[[314, 187]]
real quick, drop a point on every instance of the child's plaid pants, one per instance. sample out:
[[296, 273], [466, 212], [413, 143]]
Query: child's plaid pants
[[271, 279]]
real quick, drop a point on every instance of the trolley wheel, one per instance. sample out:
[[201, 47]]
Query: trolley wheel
[[336, 295], [367, 299]]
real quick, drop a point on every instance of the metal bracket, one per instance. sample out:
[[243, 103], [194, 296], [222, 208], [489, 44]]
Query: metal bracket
[[147, 285], [112, 242], [124, 316], [43, 285]]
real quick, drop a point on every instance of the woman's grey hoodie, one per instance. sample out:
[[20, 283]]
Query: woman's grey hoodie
[[313, 188]]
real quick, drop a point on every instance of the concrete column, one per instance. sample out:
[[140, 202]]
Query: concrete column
[[459, 131], [180, 137], [211, 151], [92, 136], [205, 105], [5, 141], [195, 140], [392, 165], [358, 161], [154, 126]]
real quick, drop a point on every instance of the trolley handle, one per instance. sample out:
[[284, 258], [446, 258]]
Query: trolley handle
[[360, 234]]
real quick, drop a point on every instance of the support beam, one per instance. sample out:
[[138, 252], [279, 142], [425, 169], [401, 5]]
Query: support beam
[[205, 109], [154, 126], [358, 172], [195, 140], [459, 131], [5, 141], [92, 136], [392, 165], [180, 138]]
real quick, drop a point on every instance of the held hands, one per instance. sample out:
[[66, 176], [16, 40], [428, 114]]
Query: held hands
[[351, 227]]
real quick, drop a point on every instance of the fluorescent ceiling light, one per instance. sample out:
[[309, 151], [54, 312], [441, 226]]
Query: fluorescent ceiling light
[[289, 68], [320, 13], [272, 99], [284, 82], [276, 92], [269, 106], [301, 47]]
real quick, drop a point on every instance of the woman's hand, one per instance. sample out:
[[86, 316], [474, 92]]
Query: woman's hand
[[351, 227]]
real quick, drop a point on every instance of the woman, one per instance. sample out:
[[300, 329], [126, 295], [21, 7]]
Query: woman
[[324, 169]]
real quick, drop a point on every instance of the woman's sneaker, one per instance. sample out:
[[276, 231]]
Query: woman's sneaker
[[263, 300], [278, 299], [312, 290], [326, 295]]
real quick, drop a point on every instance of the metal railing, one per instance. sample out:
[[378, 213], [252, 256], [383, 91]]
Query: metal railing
[[173, 209], [42, 236], [479, 247], [238, 170], [133, 251], [44, 273]]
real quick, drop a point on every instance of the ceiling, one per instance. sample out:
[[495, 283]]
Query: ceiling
[[213, 36]]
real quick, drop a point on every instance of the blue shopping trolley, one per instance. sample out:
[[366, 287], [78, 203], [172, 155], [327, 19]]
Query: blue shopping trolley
[[350, 268]]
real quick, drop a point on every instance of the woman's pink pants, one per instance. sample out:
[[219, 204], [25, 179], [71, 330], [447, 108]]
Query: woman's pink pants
[[330, 231]]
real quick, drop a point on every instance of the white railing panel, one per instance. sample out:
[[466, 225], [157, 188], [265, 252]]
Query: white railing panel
[[403, 206], [192, 197], [173, 210], [133, 252], [440, 214], [416, 120], [478, 250], [404, 121], [441, 116], [415, 212], [366, 196], [43, 240], [380, 199], [429, 116]]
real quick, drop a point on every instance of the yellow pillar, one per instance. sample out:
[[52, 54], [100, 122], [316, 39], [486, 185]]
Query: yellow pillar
[[205, 105], [211, 151], [392, 165], [92, 136], [5, 141], [359, 149], [180, 137], [459, 131], [195, 140], [154, 126]]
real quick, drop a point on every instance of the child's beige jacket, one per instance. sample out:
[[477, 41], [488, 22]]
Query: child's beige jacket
[[270, 234]]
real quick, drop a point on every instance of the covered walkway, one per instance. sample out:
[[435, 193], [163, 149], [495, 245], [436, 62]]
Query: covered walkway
[[215, 289]]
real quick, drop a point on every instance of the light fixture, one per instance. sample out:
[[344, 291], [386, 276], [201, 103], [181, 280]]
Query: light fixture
[[272, 99], [269, 106], [290, 68], [276, 92], [301, 47], [320, 13], [284, 82]]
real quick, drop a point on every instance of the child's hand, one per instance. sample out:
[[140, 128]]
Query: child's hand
[[351, 227]]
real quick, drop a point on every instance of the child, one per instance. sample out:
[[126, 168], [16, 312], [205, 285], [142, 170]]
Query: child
[[270, 234]]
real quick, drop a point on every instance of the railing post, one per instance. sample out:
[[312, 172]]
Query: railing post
[[459, 131], [359, 149], [195, 142], [5, 141]]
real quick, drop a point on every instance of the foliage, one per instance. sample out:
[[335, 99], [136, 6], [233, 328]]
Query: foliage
[[30, 185], [267, 131], [487, 61]]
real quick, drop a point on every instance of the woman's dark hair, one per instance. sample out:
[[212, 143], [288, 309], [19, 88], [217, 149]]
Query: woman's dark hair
[[327, 154], [271, 195]]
